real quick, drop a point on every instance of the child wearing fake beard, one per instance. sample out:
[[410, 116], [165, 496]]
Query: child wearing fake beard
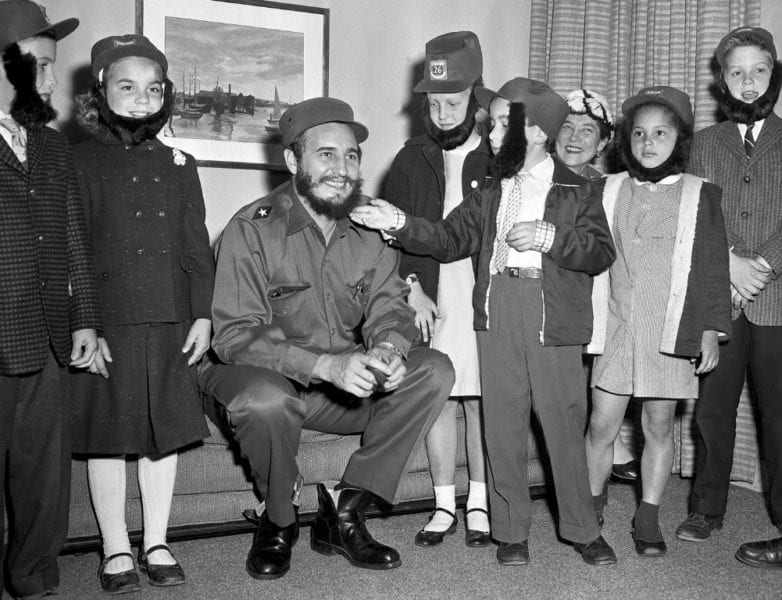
[[155, 274], [661, 306], [743, 156]]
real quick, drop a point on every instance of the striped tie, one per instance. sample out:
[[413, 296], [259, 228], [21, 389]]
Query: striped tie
[[749, 141], [18, 138]]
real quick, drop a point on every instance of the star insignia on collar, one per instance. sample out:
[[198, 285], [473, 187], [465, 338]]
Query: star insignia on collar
[[262, 212]]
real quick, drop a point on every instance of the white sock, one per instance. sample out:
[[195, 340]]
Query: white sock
[[444, 497], [156, 479], [476, 498], [106, 477]]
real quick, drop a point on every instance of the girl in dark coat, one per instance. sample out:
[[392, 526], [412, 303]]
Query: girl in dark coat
[[155, 276]]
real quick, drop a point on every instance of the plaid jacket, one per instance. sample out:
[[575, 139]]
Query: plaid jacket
[[46, 274]]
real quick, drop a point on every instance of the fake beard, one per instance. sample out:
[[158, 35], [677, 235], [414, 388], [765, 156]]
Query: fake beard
[[130, 130], [305, 183], [28, 108], [509, 160], [741, 112], [452, 138], [676, 163]]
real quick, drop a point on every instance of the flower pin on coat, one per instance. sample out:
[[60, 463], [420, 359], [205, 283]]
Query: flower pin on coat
[[179, 158]]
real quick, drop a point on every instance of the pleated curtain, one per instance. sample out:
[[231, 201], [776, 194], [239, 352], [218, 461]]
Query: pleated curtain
[[617, 47]]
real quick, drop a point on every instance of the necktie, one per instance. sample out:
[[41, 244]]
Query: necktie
[[511, 216], [18, 138], [749, 140]]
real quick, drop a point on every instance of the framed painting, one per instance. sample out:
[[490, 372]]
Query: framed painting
[[236, 65]]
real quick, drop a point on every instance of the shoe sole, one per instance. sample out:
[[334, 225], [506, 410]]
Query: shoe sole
[[513, 563], [757, 564], [330, 550]]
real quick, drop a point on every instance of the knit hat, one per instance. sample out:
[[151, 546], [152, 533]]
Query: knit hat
[[454, 62], [542, 105]]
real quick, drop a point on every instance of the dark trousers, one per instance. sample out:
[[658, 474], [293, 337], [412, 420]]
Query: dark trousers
[[519, 373], [267, 412], [35, 471], [758, 348]]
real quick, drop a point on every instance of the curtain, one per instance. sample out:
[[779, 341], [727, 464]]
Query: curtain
[[617, 47]]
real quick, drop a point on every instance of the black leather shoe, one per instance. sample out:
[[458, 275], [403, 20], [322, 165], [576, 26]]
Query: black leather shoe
[[433, 538], [597, 552], [626, 472], [474, 538], [160, 575], [648, 549], [341, 530], [123, 582], [515, 554], [697, 527], [765, 555], [270, 554]]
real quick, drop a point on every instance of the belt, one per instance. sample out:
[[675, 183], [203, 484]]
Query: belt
[[524, 272]]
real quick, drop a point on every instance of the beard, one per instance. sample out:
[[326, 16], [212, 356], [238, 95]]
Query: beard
[[740, 112], [305, 185], [28, 108], [451, 138], [130, 130]]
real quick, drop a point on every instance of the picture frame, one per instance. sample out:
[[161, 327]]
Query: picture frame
[[236, 65]]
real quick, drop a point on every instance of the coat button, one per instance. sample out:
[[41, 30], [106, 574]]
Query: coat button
[[134, 179], [747, 178], [745, 215], [140, 251], [43, 283], [32, 192], [156, 179], [161, 213], [105, 274], [40, 238], [139, 214]]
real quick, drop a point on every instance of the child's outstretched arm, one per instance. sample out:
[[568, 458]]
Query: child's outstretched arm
[[710, 352]]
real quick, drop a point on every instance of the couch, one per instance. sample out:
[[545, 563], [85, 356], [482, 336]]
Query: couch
[[213, 488]]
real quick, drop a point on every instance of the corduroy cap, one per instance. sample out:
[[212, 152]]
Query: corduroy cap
[[316, 111], [758, 35], [114, 47], [21, 19], [454, 62], [676, 100], [542, 105]]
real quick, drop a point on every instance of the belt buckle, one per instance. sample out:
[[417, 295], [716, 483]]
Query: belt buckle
[[525, 272]]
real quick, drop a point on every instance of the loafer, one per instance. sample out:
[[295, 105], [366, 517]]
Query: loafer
[[434, 538], [160, 575], [648, 549], [340, 529], [474, 538], [597, 552], [626, 472], [270, 554], [123, 582], [513, 554], [766, 554], [697, 527]]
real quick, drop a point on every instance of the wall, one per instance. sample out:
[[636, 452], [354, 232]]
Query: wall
[[771, 19], [374, 47]]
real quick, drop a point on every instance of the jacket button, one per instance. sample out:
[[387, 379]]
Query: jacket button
[[32, 192], [745, 215], [747, 178], [140, 251], [40, 238], [161, 213], [139, 213], [105, 274], [134, 179], [156, 179], [43, 283]]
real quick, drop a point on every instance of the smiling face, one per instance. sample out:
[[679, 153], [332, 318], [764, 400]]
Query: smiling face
[[134, 87], [44, 50], [747, 72], [653, 136], [578, 141]]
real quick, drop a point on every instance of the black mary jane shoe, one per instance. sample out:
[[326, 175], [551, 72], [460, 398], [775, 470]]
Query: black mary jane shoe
[[434, 538], [473, 538], [648, 549], [160, 575], [123, 582], [626, 472]]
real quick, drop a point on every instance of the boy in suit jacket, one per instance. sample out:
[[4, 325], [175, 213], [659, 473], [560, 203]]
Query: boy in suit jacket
[[48, 304], [742, 155]]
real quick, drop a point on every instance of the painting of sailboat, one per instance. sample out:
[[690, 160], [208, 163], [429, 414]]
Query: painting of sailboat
[[273, 120]]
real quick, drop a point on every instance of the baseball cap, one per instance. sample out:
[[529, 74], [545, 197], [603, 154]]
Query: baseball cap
[[454, 62], [316, 111], [542, 105], [756, 35], [114, 47], [676, 100], [21, 19]]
